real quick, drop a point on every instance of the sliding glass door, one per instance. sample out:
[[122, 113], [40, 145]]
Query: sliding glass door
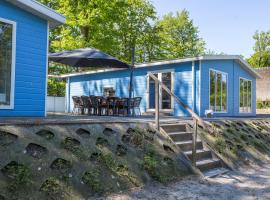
[[165, 98]]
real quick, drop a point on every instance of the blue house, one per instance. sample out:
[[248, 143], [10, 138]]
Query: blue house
[[225, 85], [24, 26]]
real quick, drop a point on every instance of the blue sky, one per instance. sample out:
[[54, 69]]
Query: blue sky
[[226, 25]]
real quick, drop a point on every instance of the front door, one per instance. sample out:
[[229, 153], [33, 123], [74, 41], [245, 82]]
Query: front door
[[165, 98]]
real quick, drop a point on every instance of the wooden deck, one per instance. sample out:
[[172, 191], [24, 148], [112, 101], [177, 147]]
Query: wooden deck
[[79, 119], [63, 118]]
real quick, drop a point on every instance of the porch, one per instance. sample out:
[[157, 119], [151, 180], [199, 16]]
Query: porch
[[66, 118]]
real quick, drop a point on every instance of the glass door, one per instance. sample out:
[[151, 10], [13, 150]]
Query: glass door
[[151, 87], [165, 98]]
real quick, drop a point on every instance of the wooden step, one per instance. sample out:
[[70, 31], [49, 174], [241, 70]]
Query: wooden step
[[201, 154], [171, 128], [208, 164], [187, 145], [180, 136], [215, 172]]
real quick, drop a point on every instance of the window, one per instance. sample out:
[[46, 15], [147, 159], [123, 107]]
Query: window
[[218, 91], [108, 92], [245, 96], [6, 63]]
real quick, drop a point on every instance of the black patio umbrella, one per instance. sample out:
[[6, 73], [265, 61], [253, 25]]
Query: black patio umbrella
[[91, 57], [88, 57]]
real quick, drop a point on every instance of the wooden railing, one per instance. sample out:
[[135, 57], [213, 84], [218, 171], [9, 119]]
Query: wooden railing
[[196, 118]]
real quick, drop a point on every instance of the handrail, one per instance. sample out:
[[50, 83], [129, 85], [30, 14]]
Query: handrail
[[197, 119], [190, 111]]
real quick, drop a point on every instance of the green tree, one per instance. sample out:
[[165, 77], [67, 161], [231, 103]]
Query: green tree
[[179, 37], [261, 56], [112, 26], [118, 26]]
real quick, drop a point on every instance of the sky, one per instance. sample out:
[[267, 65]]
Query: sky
[[226, 25]]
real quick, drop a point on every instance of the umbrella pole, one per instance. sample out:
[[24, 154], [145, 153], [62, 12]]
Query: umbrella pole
[[131, 68]]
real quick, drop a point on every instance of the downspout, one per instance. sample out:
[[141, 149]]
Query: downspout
[[193, 85]]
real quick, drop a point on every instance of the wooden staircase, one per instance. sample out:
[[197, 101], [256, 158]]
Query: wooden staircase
[[206, 161], [202, 158]]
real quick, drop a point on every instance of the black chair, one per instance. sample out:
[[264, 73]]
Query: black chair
[[77, 105], [122, 106], [102, 105], [87, 105], [136, 105], [95, 104], [112, 103]]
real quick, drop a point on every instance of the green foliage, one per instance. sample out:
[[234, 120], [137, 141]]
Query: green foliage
[[18, 173], [220, 144], [52, 188], [56, 87], [261, 56], [179, 37], [117, 27], [160, 168], [262, 104], [92, 179], [74, 147]]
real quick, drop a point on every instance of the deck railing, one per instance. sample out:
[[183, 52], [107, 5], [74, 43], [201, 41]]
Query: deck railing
[[196, 118]]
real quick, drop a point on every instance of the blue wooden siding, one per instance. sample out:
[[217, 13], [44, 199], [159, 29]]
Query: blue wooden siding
[[183, 85], [234, 71], [93, 84], [31, 59]]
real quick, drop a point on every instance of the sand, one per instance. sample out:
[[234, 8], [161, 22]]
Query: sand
[[244, 184]]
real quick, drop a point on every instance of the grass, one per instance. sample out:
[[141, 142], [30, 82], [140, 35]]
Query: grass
[[103, 162], [52, 188], [18, 174], [92, 179], [235, 139], [161, 168]]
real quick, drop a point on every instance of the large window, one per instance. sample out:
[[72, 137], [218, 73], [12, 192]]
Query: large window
[[218, 91], [245, 96], [6, 61]]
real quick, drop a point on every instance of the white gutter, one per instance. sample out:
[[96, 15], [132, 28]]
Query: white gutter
[[243, 63], [40, 10]]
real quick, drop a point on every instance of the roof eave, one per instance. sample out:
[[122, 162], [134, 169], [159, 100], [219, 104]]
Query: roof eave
[[169, 62], [55, 19]]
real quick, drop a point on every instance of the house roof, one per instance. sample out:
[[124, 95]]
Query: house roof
[[40, 10], [238, 58]]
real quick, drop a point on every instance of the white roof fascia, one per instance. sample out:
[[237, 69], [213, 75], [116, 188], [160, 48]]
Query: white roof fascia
[[243, 63], [40, 10]]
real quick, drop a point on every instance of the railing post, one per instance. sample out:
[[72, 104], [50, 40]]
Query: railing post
[[194, 141], [157, 105]]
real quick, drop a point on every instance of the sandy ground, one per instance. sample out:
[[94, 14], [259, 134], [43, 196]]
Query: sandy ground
[[245, 184]]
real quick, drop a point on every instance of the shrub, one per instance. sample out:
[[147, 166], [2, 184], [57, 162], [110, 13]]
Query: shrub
[[18, 173], [91, 178]]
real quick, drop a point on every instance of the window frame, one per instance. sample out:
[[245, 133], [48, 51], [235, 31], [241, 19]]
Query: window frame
[[108, 87], [13, 63], [251, 103], [227, 88]]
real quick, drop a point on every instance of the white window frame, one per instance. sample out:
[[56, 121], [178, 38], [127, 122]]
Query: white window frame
[[251, 104], [108, 86], [160, 90], [209, 80], [13, 63]]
